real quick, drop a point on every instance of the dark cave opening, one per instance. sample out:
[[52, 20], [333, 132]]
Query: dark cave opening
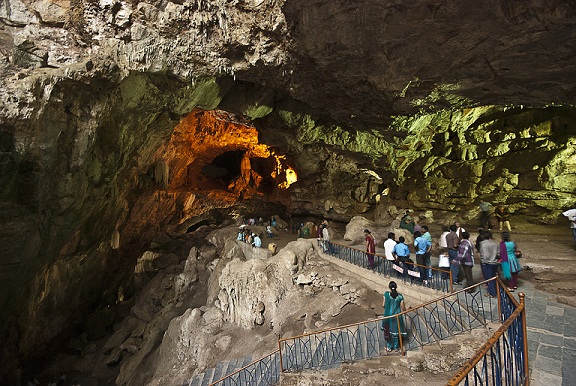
[[194, 227], [264, 167], [226, 167]]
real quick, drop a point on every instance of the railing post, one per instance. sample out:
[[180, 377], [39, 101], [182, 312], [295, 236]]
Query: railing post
[[280, 353], [450, 277], [522, 296], [499, 293], [400, 333]]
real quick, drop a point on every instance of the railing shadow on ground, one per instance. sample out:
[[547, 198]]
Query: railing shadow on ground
[[408, 272], [502, 360]]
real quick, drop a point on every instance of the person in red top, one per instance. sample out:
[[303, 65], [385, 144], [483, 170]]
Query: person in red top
[[370, 248]]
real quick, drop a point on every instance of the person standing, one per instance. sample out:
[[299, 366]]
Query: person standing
[[503, 216], [319, 234], [485, 209], [393, 304], [422, 247], [389, 245], [459, 230], [401, 254], [571, 215], [510, 264], [466, 258], [453, 243], [479, 239], [427, 261], [489, 253], [442, 240], [325, 238], [370, 248]]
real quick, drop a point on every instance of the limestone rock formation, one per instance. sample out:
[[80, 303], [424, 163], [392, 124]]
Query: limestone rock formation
[[122, 120]]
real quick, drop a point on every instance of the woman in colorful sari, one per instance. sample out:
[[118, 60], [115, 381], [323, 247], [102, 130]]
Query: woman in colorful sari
[[508, 261], [393, 304]]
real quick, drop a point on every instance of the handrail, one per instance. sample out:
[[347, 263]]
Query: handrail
[[404, 312], [450, 314], [441, 278], [243, 369], [470, 365], [506, 303]]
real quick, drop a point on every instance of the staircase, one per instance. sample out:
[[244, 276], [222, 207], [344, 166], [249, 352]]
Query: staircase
[[432, 324], [221, 370], [429, 323]]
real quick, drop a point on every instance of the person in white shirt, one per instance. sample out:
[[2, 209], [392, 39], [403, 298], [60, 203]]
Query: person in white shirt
[[459, 230], [571, 215], [442, 241], [325, 238], [389, 246], [256, 241]]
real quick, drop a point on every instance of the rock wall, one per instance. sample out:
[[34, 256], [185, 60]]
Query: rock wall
[[91, 93]]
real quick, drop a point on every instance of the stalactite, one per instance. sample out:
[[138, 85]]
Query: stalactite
[[115, 239], [161, 172]]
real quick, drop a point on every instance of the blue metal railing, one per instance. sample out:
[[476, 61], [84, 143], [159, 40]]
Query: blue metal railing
[[430, 322], [409, 273], [262, 372], [504, 360]]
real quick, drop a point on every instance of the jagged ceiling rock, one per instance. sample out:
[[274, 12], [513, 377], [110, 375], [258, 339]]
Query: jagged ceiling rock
[[428, 104]]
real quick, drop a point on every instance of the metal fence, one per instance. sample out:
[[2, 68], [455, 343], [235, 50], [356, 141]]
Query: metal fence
[[503, 360], [262, 372], [428, 323], [439, 279]]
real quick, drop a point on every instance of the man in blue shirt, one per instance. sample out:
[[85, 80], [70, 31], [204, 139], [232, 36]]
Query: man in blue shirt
[[428, 237], [423, 247], [401, 255]]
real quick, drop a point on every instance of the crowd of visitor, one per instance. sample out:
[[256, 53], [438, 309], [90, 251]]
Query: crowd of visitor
[[458, 255]]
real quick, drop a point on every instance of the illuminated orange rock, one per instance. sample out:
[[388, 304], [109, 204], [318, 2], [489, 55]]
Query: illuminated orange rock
[[184, 186]]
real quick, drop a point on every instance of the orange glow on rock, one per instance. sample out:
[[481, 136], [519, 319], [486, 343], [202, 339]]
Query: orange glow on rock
[[212, 160]]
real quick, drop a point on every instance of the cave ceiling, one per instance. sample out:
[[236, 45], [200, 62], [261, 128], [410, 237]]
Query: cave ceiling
[[122, 119]]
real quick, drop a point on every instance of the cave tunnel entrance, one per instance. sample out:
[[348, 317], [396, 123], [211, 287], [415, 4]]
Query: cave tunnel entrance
[[265, 168], [194, 227], [226, 167]]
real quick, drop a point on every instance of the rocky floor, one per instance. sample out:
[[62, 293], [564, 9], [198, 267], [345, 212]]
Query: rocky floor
[[109, 360]]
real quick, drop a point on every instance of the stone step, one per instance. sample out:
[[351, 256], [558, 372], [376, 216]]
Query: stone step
[[221, 370]]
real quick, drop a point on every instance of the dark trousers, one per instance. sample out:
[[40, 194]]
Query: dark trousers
[[370, 260], [421, 260], [467, 274], [485, 220], [404, 263], [454, 266], [489, 271]]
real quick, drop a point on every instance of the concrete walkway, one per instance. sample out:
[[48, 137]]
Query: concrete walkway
[[551, 332], [551, 338]]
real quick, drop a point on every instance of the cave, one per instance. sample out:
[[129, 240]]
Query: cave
[[131, 128], [225, 167]]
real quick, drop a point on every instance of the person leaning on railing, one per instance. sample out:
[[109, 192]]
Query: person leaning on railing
[[401, 254]]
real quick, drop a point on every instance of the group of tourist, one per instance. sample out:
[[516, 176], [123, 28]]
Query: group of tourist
[[457, 255], [246, 235]]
